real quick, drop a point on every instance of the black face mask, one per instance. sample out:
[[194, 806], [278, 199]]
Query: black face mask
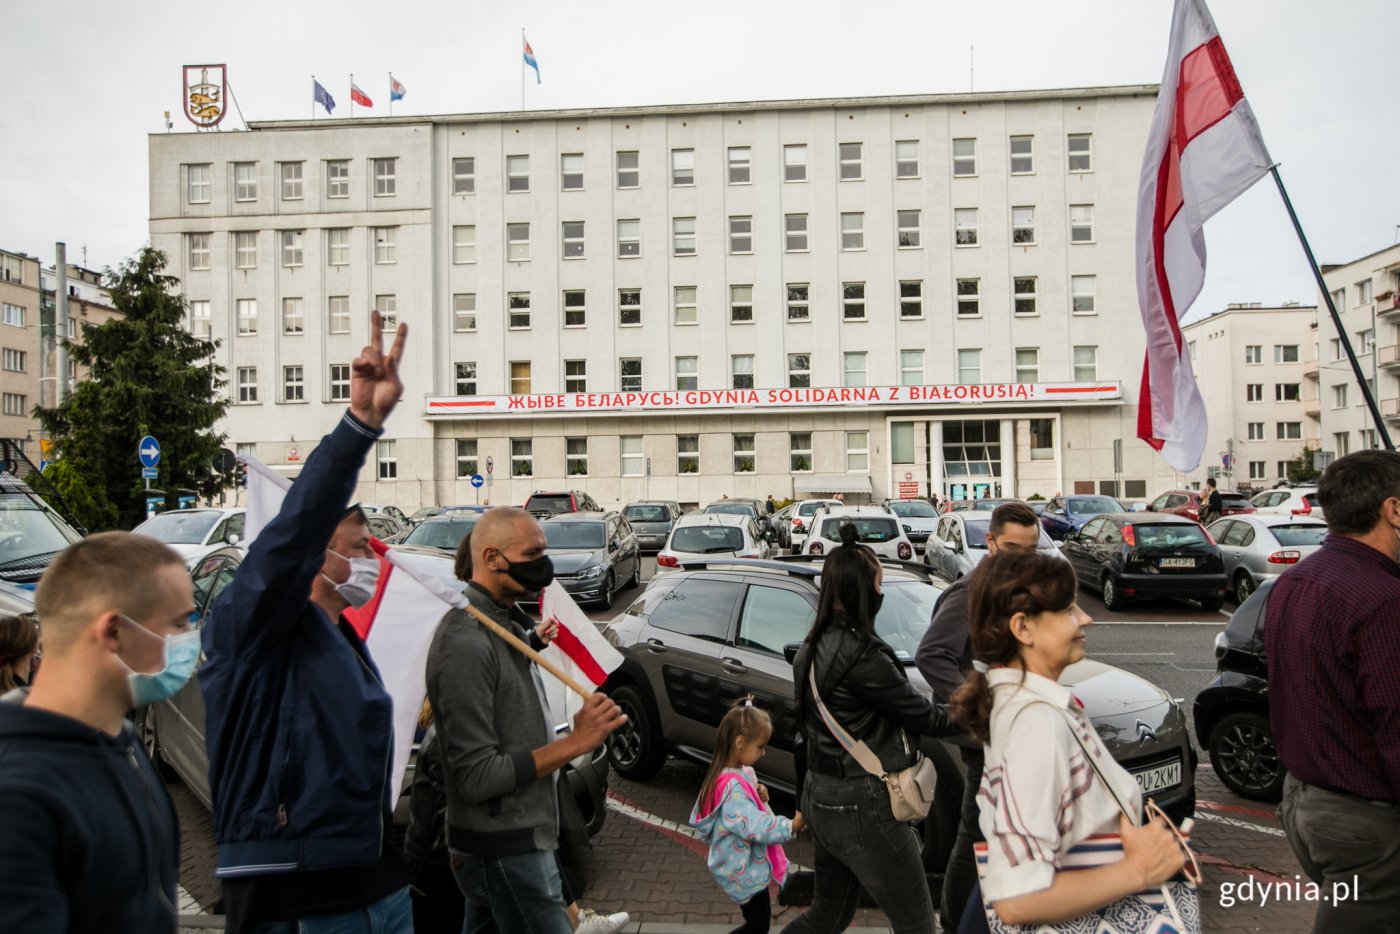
[[877, 599], [534, 575]]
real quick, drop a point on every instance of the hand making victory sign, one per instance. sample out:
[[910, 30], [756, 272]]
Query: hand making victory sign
[[375, 386]]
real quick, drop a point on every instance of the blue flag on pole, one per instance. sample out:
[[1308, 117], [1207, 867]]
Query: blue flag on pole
[[323, 97], [396, 90], [530, 59]]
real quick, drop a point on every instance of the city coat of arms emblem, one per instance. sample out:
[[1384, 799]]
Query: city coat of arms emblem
[[206, 87]]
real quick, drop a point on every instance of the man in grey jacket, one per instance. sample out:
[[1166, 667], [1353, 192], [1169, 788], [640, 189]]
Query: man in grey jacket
[[944, 658], [499, 754]]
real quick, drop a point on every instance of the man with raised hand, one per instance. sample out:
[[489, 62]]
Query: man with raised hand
[[91, 838], [298, 724]]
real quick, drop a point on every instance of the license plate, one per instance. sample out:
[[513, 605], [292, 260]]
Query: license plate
[[1178, 563], [1163, 776]]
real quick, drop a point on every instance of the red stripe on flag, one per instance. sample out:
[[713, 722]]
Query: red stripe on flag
[[1075, 390], [578, 653], [361, 619], [460, 405]]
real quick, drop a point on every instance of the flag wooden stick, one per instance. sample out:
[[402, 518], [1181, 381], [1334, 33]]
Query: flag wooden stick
[[520, 646], [1361, 381]]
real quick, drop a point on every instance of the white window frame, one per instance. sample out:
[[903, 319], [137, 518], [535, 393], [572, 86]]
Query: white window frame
[[576, 376], [851, 161], [571, 171], [463, 312], [386, 246], [794, 163], [852, 231], [969, 366], [518, 311], [293, 316], [965, 227], [741, 371], [517, 174], [13, 315], [245, 249], [629, 238], [247, 316], [853, 303], [911, 367], [386, 182], [386, 459], [293, 383], [964, 157], [464, 175], [683, 236], [745, 454], [337, 178], [798, 304], [855, 368], [909, 234], [906, 158], [799, 370], [338, 382], [463, 244], [1281, 353], [198, 185], [1254, 392], [1027, 364], [247, 385], [968, 298], [293, 248], [14, 361], [629, 308], [626, 173], [199, 250], [572, 237], [1081, 223], [741, 304], [800, 451], [576, 457], [1023, 225], [338, 246], [1256, 431], [857, 452], [522, 457], [1291, 431], [464, 377], [387, 304], [245, 181], [740, 233], [796, 237], [687, 372], [338, 314], [1080, 159], [629, 382], [687, 454], [201, 324], [684, 307], [521, 385], [1022, 162], [740, 165], [292, 175], [518, 242], [468, 462], [1085, 358], [575, 304], [682, 168], [1254, 354], [1083, 294], [1024, 302]]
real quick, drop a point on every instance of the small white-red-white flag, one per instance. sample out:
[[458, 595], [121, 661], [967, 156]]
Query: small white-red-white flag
[[579, 649], [1203, 151]]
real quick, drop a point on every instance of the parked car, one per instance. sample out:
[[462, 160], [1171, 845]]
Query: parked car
[[32, 533], [917, 517], [960, 543], [1260, 547], [696, 639], [652, 520], [801, 523], [709, 536], [375, 509], [444, 532], [781, 523], [427, 512], [1289, 501], [594, 554], [1232, 712], [174, 729], [193, 531], [542, 505], [1037, 506], [1134, 555], [878, 527], [976, 505], [384, 526], [1188, 503], [743, 507], [1065, 514]]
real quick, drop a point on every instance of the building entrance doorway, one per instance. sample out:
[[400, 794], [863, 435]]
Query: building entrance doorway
[[972, 459]]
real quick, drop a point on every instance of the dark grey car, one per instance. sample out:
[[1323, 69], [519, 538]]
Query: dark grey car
[[652, 520], [697, 639], [594, 554]]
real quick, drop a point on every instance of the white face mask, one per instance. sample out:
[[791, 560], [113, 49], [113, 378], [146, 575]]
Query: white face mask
[[359, 588]]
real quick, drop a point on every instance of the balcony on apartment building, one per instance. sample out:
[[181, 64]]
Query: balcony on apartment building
[[1312, 369], [1312, 408], [1390, 409], [1388, 356], [1388, 305]]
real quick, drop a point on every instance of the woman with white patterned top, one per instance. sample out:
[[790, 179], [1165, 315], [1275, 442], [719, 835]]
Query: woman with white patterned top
[[1039, 795]]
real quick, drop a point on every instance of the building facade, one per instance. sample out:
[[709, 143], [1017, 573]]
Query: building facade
[[1366, 293], [1249, 362], [875, 296]]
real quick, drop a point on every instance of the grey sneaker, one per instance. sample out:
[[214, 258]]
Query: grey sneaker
[[591, 922]]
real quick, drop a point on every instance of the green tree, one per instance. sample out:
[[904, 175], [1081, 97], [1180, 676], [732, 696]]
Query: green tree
[[146, 375], [1301, 469]]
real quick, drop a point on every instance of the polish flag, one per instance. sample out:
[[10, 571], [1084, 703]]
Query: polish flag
[[360, 97], [1204, 149]]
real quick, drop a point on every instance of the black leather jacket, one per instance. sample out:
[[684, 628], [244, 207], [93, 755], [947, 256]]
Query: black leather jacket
[[867, 690]]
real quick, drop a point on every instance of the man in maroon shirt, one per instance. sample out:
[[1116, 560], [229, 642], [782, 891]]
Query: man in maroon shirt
[[1332, 636]]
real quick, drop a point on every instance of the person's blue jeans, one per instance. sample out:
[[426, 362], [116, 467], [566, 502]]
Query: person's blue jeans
[[392, 914], [512, 894], [860, 844]]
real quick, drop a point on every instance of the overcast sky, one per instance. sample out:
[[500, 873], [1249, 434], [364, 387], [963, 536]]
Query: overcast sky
[[84, 88]]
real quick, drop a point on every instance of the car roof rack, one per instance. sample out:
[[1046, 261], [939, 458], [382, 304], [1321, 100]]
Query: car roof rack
[[796, 565]]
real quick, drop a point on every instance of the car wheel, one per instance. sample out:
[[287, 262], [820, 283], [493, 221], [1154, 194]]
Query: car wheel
[[1111, 597], [605, 600], [151, 742], [1211, 604], [1244, 586], [635, 748], [1243, 753], [636, 579]]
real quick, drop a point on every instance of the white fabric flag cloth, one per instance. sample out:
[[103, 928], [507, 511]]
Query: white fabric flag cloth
[[1204, 150], [579, 649]]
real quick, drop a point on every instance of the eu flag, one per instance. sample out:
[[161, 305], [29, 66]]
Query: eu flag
[[323, 97]]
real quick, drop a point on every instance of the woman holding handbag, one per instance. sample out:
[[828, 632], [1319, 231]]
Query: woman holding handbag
[[860, 720], [1063, 821]]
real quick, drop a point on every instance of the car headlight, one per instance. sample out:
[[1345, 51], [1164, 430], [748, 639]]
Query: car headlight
[[594, 571]]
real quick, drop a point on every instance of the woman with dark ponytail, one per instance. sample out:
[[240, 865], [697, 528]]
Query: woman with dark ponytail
[[1040, 794], [867, 692]]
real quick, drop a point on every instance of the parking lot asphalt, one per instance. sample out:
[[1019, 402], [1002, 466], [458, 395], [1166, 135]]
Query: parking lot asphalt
[[648, 861]]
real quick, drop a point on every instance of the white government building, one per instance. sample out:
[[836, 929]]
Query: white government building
[[877, 296]]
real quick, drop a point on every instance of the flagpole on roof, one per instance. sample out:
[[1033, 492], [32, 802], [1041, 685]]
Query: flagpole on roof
[[313, 97], [1365, 386], [352, 95], [391, 93], [522, 68]]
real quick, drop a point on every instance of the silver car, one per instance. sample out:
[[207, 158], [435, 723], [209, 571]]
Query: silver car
[[1260, 547], [709, 536], [960, 543], [652, 520]]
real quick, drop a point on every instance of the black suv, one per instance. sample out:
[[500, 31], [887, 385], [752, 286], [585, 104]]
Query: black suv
[[698, 639], [543, 504], [1232, 712]]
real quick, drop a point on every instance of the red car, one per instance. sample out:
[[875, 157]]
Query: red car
[[1188, 503]]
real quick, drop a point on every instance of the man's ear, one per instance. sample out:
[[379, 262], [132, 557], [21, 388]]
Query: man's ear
[[105, 630]]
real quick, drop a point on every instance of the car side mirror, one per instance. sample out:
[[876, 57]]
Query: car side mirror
[[1058, 512], [1151, 508], [612, 545], [790, 651]]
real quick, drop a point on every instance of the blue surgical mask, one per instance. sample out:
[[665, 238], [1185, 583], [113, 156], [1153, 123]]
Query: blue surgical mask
[[181, 659]]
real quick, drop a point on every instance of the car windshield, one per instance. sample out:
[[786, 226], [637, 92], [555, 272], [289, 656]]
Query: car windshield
[[179, 528], [810, 509], [873, 529], [1093, 505], [549, 504], [977, 532], [707, 539], [1233, 500], [913, 509], [731, 509], [1299, 534], [27, 530], [1176, 535], [427, 511], [446, 534], [573, 534], [646, 514]]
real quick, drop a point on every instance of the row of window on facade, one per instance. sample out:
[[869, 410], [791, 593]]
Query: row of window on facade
[[685, 308], [627, 163], [797, 235], [685, 373], [1364, 291]]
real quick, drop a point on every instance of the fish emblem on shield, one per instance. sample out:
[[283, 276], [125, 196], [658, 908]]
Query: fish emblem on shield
[[206, 87]]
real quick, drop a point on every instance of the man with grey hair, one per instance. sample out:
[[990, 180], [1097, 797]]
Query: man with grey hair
[[499, 754]]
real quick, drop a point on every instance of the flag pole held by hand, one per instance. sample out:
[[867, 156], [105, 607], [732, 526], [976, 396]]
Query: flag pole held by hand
[[523, 648]]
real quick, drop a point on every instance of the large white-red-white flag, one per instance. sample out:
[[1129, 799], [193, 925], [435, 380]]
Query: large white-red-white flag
[[408, 603], [1204, 149]]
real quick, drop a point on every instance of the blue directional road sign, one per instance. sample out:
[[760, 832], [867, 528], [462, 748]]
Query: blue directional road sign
[[477, 480], [149, 473], [149, 451]]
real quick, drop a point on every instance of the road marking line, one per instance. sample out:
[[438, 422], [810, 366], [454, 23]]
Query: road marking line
[[187, 903], [1246, 825], [684, 834], [1237, 809]]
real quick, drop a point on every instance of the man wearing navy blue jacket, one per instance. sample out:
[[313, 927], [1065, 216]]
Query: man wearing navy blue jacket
[[298, 724]]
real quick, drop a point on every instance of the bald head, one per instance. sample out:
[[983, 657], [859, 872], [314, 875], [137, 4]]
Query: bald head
[[504, 536], [498, 528]]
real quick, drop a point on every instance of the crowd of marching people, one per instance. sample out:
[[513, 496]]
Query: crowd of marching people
[[1054, 835]]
